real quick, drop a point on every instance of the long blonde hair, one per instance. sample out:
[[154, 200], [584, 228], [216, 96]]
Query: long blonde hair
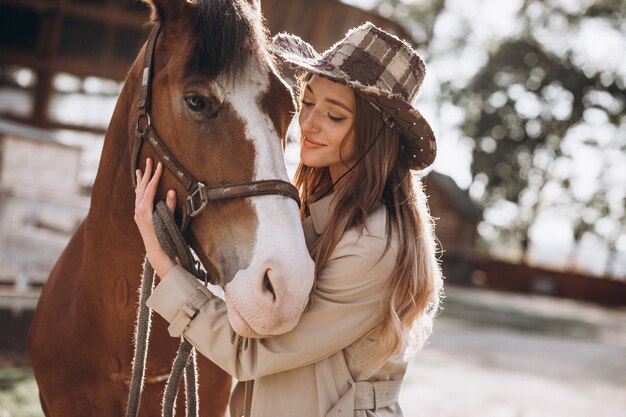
[[381, 175]]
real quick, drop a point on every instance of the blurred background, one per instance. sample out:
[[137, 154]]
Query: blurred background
[[527, 98]]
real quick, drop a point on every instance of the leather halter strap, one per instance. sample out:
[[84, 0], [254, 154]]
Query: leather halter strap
[[143, 114], [198, 194]]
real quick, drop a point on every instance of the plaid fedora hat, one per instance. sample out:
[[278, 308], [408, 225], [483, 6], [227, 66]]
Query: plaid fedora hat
[[383, 69]]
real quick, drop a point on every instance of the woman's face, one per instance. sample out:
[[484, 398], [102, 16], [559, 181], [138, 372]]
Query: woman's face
[[326, 119]]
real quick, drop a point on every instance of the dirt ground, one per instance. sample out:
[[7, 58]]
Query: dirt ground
[[501, 355], [491, 355]]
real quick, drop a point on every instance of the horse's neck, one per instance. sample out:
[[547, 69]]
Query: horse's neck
[[110, 219]]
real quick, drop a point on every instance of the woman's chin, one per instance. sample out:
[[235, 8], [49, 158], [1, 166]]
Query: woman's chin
[[310, 162]]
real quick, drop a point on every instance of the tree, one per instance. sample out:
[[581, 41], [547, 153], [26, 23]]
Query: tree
[[532, 111]]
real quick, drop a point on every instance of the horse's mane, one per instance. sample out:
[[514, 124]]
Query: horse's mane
[[228, 34]]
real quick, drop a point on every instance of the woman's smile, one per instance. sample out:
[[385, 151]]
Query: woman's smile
[[312, 144]]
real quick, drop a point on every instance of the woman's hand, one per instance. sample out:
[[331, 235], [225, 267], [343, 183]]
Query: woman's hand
[[144, 203]]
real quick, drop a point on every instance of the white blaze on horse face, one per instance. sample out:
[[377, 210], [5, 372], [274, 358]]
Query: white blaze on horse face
[[280, 252]]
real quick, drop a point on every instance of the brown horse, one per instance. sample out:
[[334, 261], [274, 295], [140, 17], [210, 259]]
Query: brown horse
[[221, 108]]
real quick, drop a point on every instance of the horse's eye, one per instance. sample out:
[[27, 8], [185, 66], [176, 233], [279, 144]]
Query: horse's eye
[[195, 102]]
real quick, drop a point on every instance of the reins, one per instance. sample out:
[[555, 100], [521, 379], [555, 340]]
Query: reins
[[172, 240], [175, 246]]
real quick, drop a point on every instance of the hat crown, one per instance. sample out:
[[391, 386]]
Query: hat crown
[[374, 58]]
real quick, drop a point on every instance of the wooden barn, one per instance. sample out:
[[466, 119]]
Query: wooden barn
[[38, 210], [456, 224], [456, 215], [46, 42]]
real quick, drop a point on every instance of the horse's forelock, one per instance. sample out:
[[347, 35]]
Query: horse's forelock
[[226, 35]]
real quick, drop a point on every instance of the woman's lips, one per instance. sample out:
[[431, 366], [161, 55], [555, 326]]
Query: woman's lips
[[311, 144]]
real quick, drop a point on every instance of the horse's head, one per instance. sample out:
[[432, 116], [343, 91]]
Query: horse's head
[[221, 108]]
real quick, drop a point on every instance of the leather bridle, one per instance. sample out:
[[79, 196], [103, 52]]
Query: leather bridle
[[198, 194]]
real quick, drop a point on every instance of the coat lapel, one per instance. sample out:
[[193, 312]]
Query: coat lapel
[[315, 224]]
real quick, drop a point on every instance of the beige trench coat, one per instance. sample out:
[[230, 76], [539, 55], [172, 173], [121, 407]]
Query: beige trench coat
[[314, 370]]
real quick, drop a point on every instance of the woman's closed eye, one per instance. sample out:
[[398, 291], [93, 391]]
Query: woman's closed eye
[[336, 119]]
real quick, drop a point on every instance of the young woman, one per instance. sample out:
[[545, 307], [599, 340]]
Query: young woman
[[369, 231]]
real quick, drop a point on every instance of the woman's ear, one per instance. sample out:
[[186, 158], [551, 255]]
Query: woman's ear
[[163, 10]]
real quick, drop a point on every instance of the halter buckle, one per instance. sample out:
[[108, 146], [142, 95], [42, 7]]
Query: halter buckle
[[141, 119], [197, 192]]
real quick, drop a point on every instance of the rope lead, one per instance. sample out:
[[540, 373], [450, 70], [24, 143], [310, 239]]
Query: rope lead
[[174, 244]]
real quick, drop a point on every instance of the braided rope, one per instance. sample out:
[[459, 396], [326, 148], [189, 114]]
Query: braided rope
[[191, 383], [173, 382], [175, 246], [142, 334]]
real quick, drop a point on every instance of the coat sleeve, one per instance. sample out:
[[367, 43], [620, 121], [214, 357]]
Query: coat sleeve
[[346, 305]]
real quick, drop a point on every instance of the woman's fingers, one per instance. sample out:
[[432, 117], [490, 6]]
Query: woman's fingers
[[138, 188], [143, 205], [152, 185], [143, 178], [147, 185], [170, 200], [147, 174]]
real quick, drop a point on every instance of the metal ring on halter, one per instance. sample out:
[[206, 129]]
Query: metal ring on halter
[[203, 203], [141, 117]]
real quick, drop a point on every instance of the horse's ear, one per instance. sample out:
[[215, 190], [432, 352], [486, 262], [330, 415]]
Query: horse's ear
[[163, 10], [256, 5]]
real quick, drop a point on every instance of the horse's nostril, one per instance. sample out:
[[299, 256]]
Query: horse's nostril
[[268, 284]]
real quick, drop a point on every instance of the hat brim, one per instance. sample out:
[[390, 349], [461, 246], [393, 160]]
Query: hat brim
[[419, 140]]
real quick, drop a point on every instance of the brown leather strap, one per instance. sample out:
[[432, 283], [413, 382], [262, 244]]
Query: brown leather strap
[[169, 160], [198, 199], [134, 158], [143, 115], [146, 73], [249, 189]]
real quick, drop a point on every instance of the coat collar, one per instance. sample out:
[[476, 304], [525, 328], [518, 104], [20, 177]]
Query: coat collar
[[321, 211], [314, 225]]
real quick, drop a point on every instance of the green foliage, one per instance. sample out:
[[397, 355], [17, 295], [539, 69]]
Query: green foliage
[[506, 136], [529, 100], [531, 108]]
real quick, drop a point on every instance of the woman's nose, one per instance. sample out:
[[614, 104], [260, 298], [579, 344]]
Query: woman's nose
[[309, 121]]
